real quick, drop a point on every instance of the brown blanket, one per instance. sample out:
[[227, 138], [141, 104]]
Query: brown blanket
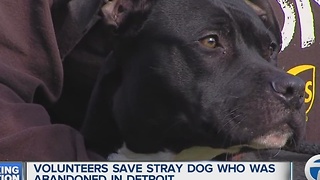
[[31, 76]]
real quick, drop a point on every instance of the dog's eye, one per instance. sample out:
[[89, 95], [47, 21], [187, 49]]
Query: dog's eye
[[210, 41]]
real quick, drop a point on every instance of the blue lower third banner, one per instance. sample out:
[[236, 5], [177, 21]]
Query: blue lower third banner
[[157, 170], [11, 171]]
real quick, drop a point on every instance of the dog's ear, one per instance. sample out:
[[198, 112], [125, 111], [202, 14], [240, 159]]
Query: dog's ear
[[264, 10], [124, 14], [99, 128]]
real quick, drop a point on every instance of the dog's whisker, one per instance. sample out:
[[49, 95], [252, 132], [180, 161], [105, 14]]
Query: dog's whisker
[[294, 142], [278, 152], [230, 113], [225, 142], [237, 124], [228, 122]]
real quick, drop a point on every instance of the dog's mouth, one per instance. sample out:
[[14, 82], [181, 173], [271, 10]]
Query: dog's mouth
[[274, 138], [271, 124]]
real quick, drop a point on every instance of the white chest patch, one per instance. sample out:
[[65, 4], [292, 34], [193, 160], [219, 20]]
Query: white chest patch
[[124, 154]]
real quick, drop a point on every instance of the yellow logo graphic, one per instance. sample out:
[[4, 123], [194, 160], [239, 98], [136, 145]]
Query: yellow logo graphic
[[304, 72]]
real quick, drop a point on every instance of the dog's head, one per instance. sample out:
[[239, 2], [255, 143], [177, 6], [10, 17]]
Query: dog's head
[[198, 73]]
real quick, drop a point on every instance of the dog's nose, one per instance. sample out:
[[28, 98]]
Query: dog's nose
[[290, 89]]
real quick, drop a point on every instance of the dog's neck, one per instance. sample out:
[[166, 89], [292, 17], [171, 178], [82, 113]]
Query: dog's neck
[[124, 154]]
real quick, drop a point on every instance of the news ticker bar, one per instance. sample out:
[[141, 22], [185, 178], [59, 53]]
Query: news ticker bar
[[204, 170]]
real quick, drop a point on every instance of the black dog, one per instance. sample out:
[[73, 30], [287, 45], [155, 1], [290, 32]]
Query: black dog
[[189, 73]]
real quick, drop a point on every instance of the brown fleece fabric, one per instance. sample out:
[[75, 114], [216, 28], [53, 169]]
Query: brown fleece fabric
[[31, 77]]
